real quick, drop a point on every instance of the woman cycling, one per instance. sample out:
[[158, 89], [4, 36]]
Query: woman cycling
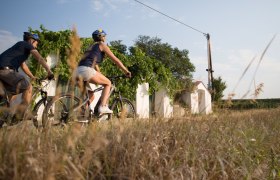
[[93, 56]]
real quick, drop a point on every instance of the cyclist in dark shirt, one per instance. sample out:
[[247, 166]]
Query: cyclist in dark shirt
[[89, 71], [11, 60]]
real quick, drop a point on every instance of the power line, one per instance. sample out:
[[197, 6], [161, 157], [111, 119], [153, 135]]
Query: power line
[[171, 17], [207, 35]]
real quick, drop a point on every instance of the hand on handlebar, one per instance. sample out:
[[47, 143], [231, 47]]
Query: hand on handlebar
[[128, 74], [33, 79], [50, 76]]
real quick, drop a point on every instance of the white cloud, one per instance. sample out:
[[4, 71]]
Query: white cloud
[[240, 57], [7, 39], [122, 36], [128, 17], [121, 1], [229, 64], [234, 65], [96, 5], [108, 6], [100, 5], [111, 4], [64, 1], [147, 13]]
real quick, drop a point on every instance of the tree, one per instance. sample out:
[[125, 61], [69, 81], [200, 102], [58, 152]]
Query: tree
[[117, 45], [144, 68], [219, 87], [56, 43], [172, 58]]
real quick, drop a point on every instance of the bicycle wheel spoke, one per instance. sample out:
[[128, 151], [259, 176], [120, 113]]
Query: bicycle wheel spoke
[[60, 110], [37, 112], [123, 109]]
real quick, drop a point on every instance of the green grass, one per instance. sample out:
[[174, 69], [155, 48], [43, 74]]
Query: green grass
[[224, 145]]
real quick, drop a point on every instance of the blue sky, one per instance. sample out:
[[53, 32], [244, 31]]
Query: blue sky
[[240, 30]]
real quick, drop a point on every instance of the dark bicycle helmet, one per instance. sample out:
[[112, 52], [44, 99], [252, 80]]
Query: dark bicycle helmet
[[97, 34], [28, 35]]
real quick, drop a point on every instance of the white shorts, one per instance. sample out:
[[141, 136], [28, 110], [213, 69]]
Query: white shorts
[[85, 72]]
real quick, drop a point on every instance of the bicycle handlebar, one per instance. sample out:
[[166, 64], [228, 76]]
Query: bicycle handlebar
[[39, 81], [117, 77]]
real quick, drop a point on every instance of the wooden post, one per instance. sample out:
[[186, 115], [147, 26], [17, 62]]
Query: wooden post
[[210, 70]]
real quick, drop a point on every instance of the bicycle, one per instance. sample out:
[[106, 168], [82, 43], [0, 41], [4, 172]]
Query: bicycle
[[6, 117], [68, 107]]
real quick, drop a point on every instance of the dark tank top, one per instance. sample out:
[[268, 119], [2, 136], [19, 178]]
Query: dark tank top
[[93, 54]]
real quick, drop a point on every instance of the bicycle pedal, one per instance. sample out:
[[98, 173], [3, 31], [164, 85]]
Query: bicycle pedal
[[103, 114], [103, 117]]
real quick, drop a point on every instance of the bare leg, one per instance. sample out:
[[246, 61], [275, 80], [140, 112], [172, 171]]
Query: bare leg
[[26, 99], [12, 98], [27, 95], [91, 96], [104, 81]]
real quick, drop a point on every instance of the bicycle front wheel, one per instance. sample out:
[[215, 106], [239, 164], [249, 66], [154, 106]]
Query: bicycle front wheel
[[123, 109], [60, 110], [37, 112], [4, 111]]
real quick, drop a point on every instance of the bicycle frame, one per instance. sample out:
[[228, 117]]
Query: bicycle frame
[[86, 99], [40, 89], [86, 96], [69, 107], [32, 107]]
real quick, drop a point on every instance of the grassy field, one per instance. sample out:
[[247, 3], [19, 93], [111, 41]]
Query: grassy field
[[224, 145]]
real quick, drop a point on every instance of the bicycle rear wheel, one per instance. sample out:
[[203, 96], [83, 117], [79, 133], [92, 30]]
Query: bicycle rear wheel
[[61, 110], [123, 109]]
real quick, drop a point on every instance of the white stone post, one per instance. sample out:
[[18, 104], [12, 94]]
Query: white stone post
[[204, 100], [194, 103], [142, 101], [163, 105]]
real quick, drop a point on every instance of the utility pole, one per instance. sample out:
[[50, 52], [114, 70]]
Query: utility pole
[[209, 70]]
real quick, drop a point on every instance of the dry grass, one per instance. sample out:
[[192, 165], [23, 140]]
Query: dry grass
[[227, 145], [74, 51]]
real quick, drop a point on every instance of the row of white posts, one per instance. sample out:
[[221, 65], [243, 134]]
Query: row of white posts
[[162, 107], [199, 101]]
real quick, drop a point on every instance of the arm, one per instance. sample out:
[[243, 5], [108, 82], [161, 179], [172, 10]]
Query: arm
[[41, 60], [108, 52], [26, 70], [96, 67]]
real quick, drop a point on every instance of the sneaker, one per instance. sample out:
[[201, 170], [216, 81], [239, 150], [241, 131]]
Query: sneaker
[[104, 110]]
